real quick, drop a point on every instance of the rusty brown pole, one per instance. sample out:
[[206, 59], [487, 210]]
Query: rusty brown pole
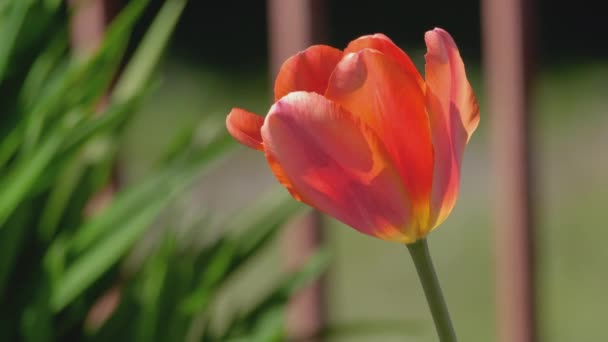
[[88, 24], [293, 25], [507, 38]]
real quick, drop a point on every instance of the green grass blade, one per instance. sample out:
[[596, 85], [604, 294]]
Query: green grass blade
[[174, 177], [256, 320], [58, 198], [8, 146], [37, 320], [106, 238], [84, 81], [10, 32], [139, 70], [109, 120], [11, 241], [41, 71], [261, 224], [151, 287], [16, 185], [105, 253], [125, 204]]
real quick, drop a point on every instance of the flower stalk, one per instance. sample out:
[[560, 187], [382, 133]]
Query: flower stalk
[[434, 297]]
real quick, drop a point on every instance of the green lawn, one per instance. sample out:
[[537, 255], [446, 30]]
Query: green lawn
[[374, 281]]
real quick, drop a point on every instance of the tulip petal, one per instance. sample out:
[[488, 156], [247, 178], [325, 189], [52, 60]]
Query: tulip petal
[[332, 161], [385, 45], [388, 98], [245, 127], [453, 114], [308, 70]]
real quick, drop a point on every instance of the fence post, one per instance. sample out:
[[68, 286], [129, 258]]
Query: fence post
[[88, 24], [508, 41], [293, 25]]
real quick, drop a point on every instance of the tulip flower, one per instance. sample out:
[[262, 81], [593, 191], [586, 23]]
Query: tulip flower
[[360, 135]]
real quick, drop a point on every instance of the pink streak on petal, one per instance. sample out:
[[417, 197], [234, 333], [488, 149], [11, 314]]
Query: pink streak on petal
[[389, 100], [335, 163]]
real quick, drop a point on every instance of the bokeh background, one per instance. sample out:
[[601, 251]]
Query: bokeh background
[[218, 58]]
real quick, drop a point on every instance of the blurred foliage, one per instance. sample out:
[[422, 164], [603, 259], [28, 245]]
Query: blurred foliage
[[62, 249]]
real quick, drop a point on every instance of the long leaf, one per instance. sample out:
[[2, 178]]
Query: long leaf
[[123, 206], [227, 256], [138, 71], [10, 31], [104, 254], [253, 319], [151, 291], [94, 71], [100, 244], [16, 185], [11, 241], [58, 198]]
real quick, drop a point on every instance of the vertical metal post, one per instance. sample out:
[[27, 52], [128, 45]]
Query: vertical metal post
[[88, 25], [507, 57], [294, 25]]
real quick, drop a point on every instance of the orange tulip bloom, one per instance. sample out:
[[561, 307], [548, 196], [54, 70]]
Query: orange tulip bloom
[[360, 135]]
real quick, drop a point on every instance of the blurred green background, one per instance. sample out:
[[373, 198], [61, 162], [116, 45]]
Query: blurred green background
[[197, 258]]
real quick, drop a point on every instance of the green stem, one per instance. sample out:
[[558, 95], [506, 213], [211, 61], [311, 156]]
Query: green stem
[[426, 272]]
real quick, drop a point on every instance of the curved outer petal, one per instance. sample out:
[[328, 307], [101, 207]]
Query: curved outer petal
[[245, 127], [387, 98], [385, 45], [308, 70], [454, 115], [332, 161]]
